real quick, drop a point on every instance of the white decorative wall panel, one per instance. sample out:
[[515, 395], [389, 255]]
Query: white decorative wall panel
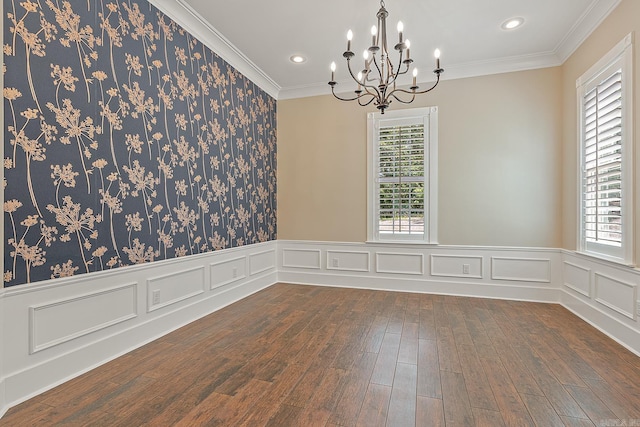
[[229, 271], [175, 287], [348, 261], [399, 263], [63, 327], [63, 320], [577, 278], [81, 330], [301, 258], [521, 269], [262, 261], [616, 295], [456, 266]]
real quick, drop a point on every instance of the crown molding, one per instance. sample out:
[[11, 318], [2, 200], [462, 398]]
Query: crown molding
[[577, 34], [584, 26], [185, 16], [452, 72]]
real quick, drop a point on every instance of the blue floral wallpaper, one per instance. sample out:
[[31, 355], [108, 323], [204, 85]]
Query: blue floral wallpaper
[[126, 141]]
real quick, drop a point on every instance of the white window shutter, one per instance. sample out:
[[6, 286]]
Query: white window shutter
[[402, 175]]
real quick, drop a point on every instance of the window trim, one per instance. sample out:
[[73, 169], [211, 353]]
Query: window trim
[[622, 54], [430, 116]]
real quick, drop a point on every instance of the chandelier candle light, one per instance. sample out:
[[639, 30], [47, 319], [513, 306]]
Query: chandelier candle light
[[377, 81]]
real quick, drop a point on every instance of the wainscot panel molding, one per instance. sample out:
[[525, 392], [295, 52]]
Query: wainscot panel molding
[[260, 262], [577, 278], [228, 271], [63, 320], [55, 330], [348, 261], [168, 289], [400, 263], [301, 258], [457, 266], [521, 269], [616, 295]]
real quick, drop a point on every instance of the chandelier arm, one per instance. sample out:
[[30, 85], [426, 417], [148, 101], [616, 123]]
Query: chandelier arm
[[397, 73], [418, 92], [366, 103], [413, 93], [404, 72], [375, 91], [344, 99], [363, 84], [401, 100], [375, 62]]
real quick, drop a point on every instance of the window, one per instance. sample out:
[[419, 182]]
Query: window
[[605, 134], [403, 157]]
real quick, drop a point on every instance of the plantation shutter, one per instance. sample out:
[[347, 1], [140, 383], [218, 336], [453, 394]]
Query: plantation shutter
[[401, 179], [602, 167]]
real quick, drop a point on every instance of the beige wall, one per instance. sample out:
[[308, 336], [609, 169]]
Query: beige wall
[[499, 163], [623, 20]]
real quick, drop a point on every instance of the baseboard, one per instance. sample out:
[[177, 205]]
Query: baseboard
[[427, 286], [623, 334], [3, 406]]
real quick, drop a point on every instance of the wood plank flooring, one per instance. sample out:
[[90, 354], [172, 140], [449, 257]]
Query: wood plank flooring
[[315, 356]]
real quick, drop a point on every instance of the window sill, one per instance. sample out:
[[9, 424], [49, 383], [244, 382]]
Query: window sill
[[606, 258], [401, 242]]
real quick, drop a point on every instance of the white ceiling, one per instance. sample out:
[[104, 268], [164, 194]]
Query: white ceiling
[[264, 34]]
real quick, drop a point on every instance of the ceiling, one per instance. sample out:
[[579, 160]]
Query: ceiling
[[265, 34]]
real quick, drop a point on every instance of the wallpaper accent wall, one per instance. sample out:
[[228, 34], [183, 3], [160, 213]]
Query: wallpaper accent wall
[[126, 141]]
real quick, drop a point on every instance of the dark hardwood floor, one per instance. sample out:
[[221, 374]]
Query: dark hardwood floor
[[316, 356]]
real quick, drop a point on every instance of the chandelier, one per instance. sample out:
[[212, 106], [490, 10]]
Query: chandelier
[[377, 80]]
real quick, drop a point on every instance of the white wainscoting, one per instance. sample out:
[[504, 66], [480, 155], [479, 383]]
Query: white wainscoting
[[41, 346], [400, 263], [55, 330], [348, 261], [521, 269], [260, 262], [297, 258], [228, 271], [424, 268], [577, 278], [60, 321], [616, 295], [174, 287], [461, 266], [605, 295]]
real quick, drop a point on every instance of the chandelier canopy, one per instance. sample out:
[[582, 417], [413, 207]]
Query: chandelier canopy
[[377, 80]]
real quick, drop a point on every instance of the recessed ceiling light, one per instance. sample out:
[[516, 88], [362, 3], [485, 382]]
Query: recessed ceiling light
[[297, 59], [512, 23]]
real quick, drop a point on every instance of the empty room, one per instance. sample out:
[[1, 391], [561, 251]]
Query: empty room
[[382, 213]]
